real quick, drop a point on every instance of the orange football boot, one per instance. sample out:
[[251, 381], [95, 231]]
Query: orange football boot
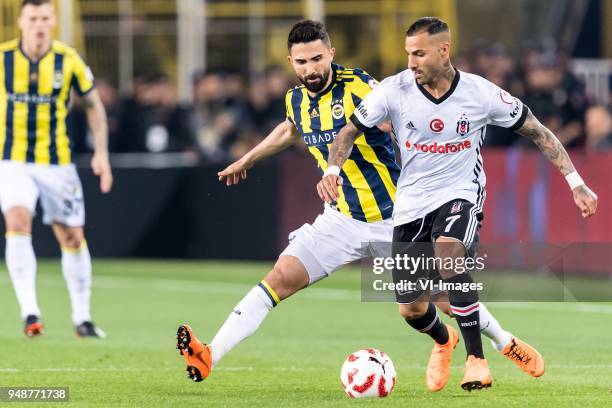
[[524, 356], [197, 354], [33, 326], [438, 368], [476, 374]]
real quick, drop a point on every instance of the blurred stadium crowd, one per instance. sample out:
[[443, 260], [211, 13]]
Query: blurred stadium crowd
[[228, 116], [225, 119]]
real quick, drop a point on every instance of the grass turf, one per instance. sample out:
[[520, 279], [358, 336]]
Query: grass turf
[[295, 357]]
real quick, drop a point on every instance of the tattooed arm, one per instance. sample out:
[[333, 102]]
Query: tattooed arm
[[548, 143], [339, 152], [373, 111], [552, 148], [341, 148]]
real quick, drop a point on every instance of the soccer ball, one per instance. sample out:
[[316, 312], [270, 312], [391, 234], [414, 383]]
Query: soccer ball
[[368, 373]]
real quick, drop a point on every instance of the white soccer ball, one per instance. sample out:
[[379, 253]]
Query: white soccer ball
[[368, 373]]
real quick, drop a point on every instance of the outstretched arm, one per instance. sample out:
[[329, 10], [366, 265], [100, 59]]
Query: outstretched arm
[[552, 148], [279, 139], [339, 152]]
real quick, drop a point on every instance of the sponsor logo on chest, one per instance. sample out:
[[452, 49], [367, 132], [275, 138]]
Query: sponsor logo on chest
[[438, 148], [320, 138]]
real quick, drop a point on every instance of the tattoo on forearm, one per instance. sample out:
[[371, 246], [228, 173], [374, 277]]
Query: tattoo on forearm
[[341, 148], [548, 143]]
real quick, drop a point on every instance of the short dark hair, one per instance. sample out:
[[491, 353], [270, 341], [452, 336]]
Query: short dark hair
[[34, 2], [433, 25], [306, 31]]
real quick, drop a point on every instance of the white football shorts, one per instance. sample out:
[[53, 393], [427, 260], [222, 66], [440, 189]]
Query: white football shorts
[[59, 189], [334, 240]]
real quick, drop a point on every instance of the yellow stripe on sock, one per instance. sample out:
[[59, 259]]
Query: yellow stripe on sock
[[75, 250], [17, 234], [271, 291]]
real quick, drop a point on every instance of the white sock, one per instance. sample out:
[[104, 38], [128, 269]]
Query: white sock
[[244, 320], [491, 328], [21, 264], [76, 266]]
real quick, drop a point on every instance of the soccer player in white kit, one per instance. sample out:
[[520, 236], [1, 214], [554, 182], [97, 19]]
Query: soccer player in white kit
[[37, 75], [439, 116]]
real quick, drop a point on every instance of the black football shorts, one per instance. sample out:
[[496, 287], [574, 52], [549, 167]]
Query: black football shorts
[[458, 219]]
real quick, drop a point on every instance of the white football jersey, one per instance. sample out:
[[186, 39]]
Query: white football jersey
[[440, 139]]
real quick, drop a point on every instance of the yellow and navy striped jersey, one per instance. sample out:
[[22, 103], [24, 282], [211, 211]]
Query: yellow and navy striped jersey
[[370, 174], [34, 98]]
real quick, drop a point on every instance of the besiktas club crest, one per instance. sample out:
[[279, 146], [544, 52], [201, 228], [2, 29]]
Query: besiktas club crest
[[463, 125]]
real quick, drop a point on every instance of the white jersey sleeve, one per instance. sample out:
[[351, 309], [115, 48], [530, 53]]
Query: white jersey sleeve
[[372, 110], [506, 110]]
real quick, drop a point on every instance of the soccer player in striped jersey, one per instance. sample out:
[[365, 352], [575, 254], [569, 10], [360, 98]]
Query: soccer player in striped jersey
[[37, 75], [361, 214]]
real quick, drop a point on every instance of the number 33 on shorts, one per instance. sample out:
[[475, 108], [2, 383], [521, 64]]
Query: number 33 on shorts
[[73, 199]]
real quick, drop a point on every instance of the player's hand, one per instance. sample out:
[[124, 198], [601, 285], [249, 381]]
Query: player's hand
[[100, 164], [235, 172], [586, 200], [328, 188]]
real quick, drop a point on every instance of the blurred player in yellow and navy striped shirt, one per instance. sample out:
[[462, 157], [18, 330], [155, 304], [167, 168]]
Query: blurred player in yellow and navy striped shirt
[[37, 76], [34, 103]]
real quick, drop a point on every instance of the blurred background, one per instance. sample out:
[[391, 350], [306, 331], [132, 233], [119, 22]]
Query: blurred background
[[191, 85]]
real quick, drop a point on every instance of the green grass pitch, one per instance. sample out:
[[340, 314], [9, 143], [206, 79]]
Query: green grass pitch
[[295, 357]]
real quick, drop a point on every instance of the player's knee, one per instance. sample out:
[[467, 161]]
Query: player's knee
[[286, 278], [413, 311], [18, 219], [72, 238]]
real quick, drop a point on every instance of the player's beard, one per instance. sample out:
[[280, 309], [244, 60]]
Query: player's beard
[[426, 76], [429, 75], [318, 86]]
